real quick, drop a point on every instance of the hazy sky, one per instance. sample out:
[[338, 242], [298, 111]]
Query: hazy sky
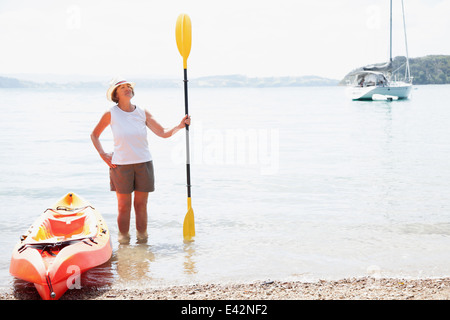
[[251, 37]]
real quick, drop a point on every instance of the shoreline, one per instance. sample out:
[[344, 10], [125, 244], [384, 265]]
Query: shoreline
[[366, 288]]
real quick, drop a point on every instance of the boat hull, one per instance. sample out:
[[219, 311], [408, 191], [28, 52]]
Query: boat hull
[[367, 93], [68, 239]]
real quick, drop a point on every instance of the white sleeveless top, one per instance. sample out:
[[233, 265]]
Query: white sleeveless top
[[130, 136]]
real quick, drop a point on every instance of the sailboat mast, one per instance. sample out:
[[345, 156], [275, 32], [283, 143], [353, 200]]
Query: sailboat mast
[[407, 71], [390, 34]]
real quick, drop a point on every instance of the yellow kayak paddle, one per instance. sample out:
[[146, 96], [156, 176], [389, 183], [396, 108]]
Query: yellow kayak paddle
[[184, 38]]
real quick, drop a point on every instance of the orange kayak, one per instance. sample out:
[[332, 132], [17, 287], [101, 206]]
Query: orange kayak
[[66, 240]]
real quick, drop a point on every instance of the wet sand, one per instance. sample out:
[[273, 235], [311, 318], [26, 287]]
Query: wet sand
[[346, 289]]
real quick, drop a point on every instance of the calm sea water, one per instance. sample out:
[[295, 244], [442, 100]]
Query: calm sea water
[[288, 183]]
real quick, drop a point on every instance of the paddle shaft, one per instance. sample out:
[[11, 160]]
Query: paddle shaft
[[188, 158]]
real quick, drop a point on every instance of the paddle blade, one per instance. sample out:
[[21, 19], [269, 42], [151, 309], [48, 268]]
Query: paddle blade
[[188, 224], [184, 37]]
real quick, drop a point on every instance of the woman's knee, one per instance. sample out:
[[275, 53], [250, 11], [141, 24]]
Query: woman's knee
[[140, 202], [124, 203]]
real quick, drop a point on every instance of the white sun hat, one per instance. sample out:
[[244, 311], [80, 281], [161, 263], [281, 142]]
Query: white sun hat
[[114, 83]]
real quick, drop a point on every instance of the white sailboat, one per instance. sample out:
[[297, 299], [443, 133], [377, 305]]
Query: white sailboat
[[375, 82]]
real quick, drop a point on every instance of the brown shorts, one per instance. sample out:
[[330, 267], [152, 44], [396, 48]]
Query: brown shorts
[[132, 177]]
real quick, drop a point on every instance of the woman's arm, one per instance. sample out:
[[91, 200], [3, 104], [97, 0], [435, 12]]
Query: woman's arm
[[95, 137], [162, 132]]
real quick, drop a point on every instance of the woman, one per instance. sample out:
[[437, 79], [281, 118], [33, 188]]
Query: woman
[[131, 167]]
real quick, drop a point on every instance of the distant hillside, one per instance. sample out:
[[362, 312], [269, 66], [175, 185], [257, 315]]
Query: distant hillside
[[227, 81], [7, 82], [15, 83], [432, 69], [429, 69], [244, 81]]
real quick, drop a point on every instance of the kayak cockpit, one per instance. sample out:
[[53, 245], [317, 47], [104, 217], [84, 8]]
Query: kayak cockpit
[[62, 224]]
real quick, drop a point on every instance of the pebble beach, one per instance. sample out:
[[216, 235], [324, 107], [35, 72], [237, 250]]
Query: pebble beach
[[366, 288]]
